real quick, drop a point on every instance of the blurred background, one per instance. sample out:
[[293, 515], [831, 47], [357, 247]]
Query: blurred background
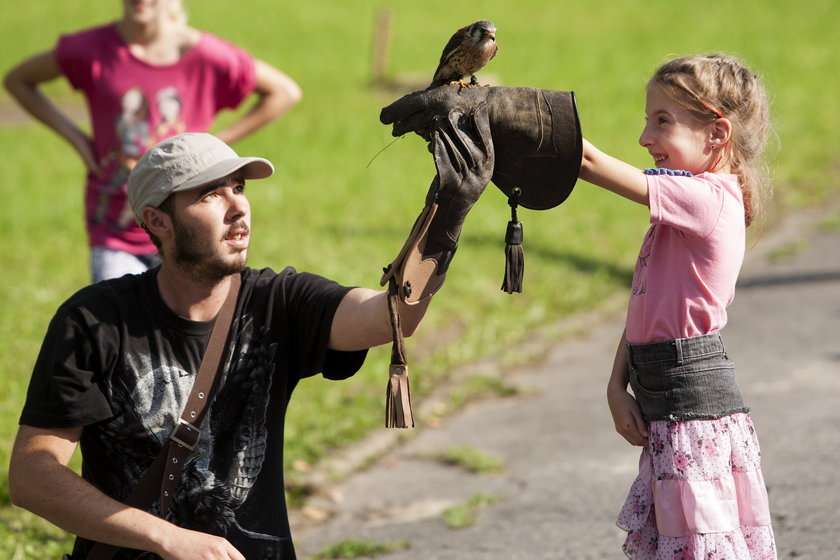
[[345, 193]]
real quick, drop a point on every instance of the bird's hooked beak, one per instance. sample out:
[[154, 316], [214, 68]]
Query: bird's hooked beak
[[489, 33]]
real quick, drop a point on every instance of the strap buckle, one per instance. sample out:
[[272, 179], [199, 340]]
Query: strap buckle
[[186, 435]]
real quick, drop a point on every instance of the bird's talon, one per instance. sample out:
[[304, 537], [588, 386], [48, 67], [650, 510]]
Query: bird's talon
[[461, 84]]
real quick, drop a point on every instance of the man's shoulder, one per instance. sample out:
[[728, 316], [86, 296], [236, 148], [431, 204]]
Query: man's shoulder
[[128, 290], [267, 272], [257, 277], [291, 282], [262, 276]]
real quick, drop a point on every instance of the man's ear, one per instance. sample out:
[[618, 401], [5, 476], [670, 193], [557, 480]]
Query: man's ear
[[720, 132], [158, 222]]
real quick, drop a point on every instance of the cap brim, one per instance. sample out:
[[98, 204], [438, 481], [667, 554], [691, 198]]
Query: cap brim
[[253, 168]]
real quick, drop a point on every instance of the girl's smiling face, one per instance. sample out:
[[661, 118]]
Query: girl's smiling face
[[675, 138]]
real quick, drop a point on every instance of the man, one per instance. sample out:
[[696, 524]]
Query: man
[[118, 361]]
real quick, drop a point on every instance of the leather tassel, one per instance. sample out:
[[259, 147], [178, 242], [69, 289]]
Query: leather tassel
[[514, 265], [397, 396], [514, 255], [398, 406]]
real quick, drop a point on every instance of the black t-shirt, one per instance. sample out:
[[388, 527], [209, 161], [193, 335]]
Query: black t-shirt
[[119, 362]]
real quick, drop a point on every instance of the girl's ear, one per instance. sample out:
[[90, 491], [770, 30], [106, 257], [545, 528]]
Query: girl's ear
[[158, 222], [720, 132]]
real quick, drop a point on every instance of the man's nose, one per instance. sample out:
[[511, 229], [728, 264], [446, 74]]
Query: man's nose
[[238, 205]]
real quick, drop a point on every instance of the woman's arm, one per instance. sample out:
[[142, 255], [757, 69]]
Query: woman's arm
[[23, 83], [276, 93]]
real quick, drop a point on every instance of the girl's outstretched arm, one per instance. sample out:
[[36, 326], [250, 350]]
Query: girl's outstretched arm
[[613, 174]]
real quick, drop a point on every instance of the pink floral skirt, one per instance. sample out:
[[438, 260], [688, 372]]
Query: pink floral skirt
[[700, 494]]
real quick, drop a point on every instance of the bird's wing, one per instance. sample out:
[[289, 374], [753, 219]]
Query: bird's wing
[[456, 39]]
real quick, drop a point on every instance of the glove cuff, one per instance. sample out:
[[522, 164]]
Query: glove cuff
[[418, 275]]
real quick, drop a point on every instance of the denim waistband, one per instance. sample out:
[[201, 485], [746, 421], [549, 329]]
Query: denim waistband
[[683, 379], [677, 351]]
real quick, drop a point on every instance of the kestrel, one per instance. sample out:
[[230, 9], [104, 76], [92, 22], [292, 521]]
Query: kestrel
[[467, 51]]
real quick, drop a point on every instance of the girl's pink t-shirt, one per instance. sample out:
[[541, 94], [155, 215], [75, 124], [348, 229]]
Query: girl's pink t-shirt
[[690, 258], [133, 105]]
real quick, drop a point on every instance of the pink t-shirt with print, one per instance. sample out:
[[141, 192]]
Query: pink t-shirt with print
[[134, 105], [690, 258]]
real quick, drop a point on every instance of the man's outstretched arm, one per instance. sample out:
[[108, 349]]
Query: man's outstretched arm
[[362, 320], [464, 159]]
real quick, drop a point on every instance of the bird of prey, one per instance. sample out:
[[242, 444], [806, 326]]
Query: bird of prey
[[467, 51]]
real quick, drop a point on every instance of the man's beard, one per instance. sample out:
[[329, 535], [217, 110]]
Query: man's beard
[[192, 255]]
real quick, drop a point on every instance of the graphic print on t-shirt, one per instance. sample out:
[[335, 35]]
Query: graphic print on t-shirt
[[221, 472], [137, 128], [640, 275]]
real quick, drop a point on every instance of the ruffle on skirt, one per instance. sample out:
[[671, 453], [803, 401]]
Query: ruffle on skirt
[[699, 495]]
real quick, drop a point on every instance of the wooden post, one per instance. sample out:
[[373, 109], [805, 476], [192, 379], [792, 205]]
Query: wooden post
[[381, 46]]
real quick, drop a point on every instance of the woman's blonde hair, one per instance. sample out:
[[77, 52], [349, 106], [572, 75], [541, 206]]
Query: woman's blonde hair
[[715, 86]]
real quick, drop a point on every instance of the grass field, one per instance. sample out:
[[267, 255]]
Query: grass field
[[328, 210]]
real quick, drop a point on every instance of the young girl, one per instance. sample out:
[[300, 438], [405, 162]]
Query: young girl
[[700, 493]]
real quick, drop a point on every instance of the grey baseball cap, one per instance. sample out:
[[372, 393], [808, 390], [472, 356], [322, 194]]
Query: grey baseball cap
[[184, 162]]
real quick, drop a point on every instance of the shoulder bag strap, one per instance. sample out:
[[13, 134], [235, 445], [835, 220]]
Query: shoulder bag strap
[[163, 475]]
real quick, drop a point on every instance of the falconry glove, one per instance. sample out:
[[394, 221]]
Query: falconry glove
[[537, 138], [464, 159]]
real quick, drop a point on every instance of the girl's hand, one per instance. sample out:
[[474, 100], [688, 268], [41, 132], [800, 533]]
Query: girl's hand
[[627, 416]]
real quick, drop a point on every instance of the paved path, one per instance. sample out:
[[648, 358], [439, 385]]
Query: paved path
[[567, 471]]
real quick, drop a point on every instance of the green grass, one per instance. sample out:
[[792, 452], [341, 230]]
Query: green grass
[[788, 250], [328, 211], [356, 549], [471, 459], [831, 223], [26, 536], [465, 515], [477, 387]]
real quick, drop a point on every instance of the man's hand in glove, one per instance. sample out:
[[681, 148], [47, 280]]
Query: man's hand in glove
[[419, 111], [464, 158], [536, 134]]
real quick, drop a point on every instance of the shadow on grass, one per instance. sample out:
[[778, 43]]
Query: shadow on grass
[[582, 263]]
